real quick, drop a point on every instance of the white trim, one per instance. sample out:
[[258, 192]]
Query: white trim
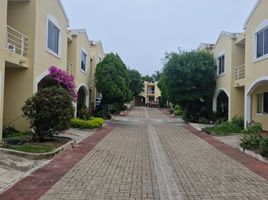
[[226, 34], [218, 91], [261, 27], [251, 13], [53, 20], [82, 85], [64, 12], [248, 94], [84, 50], [39, 78]]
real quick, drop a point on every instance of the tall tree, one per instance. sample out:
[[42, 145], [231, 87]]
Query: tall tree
[[112, 80], [156, 76], [136, 82], [147, 78], [189, 81]]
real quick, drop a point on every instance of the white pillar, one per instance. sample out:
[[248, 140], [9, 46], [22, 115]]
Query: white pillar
[[247, 119]]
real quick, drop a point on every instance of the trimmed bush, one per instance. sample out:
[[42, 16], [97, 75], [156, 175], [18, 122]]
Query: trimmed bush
[[49, 112], [238, 121], [87, 124], [264, 147], [178, 110]]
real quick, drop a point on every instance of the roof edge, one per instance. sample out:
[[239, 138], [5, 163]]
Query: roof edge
[[64, 12], [251, 13]]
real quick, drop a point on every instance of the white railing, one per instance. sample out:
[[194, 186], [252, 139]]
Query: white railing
[[69, 68], [239, 72], [17, 42]]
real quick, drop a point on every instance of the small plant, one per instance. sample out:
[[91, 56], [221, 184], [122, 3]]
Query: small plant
[[87, 124], [49, 112], [251, 137], [9, 131], [238, 121], [178, 111], [264, 147], [84, 113]]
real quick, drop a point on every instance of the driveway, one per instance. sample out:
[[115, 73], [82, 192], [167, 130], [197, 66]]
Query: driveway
[[150, 156]]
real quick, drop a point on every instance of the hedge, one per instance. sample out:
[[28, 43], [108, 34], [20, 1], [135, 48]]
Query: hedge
[[87, 124]]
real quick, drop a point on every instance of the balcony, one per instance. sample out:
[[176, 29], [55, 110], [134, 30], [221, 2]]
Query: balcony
[[69, 68], [17, 42], [239, 75], [240, 72], [17, 48]]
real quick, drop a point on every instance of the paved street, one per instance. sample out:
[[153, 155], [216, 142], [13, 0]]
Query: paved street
[[150, 156]]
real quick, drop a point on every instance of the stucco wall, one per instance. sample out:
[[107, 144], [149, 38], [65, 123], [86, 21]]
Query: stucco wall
[[263, 119]]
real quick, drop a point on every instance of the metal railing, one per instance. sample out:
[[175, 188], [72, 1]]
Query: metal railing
[[239, 72], [17, 42], [69, 68]]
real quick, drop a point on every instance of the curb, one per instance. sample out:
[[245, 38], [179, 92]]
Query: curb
[[39, 156], [254, 155]]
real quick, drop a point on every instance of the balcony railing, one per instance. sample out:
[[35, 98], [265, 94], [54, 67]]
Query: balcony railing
[[69, 68], [17, 42], [239, 72]]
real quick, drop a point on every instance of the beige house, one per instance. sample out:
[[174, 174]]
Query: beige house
[[96, 54], [34, 37], [242, 73], [150, 93]]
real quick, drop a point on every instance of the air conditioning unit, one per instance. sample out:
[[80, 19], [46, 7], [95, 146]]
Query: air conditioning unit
[[11, 47]]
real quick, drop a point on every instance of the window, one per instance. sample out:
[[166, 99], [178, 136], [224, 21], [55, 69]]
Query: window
[[262, 103], [221, 63], [53, 37], [262, 43], [83, 61]]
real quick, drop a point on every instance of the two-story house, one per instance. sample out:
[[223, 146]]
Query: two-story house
[[242, 73]]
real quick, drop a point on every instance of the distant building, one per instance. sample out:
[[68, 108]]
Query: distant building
[[151, 93], [206, 46]]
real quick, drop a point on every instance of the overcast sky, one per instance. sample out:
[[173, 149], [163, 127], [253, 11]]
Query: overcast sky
[[141, 31]]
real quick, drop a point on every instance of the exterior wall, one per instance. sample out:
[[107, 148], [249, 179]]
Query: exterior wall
[[261, 118], [3, 22], [258, 69], [19, 81], [96, 54], [255, 69], [34, 15]]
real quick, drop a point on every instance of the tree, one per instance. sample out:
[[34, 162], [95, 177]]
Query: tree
[[112, 80], [136, 82], [49, 112], [147, 78], [189, 81], [156, 76]]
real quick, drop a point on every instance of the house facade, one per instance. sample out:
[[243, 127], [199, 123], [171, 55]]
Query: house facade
[[150, 93], [242, 73], [34, 36]]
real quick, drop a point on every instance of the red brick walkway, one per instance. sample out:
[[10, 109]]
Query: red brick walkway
[[251, 163], [40, 181]]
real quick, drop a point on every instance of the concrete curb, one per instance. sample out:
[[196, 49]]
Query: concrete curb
[[254, 155], [40, 156]]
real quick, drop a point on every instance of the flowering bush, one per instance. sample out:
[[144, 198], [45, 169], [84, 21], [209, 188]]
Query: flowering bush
[[64, 79]]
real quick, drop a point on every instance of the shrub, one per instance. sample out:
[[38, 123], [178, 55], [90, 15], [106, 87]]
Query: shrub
[[87, 124], [9, 131], [49, 112], [84, 113], [251, 137], [264, 147], [178, 110], [238, 121]]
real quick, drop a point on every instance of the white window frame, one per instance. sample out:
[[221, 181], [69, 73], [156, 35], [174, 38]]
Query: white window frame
[[83, 50], [262, 113], [261, 27], [53, 20], [218, 65]]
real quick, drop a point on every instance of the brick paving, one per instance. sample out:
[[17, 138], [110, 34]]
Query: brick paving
[[150, 156]]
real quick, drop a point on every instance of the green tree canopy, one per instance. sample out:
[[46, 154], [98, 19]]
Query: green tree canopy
[[147, 78], [136, 82], [112, 80], [189, 81]]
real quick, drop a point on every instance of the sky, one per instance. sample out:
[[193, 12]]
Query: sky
[[142, 31]]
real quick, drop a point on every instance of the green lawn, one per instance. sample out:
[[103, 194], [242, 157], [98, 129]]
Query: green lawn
[[224, 129], [33, 148]]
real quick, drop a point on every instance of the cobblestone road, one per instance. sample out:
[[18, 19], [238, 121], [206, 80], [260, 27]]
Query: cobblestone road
[[149, 156]]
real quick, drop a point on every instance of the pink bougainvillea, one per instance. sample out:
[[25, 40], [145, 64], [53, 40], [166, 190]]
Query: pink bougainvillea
[[64, 79]]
